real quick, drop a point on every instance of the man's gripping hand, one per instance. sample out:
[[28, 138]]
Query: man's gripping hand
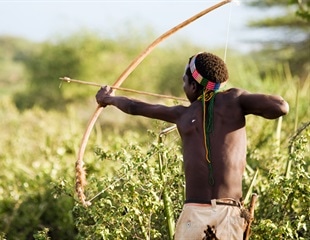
[[103, 95]]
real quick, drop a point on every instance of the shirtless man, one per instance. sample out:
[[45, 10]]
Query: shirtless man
[[212, 129]]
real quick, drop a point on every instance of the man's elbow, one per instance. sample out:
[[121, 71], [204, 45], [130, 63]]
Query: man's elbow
[[280, 108], [283, 107]]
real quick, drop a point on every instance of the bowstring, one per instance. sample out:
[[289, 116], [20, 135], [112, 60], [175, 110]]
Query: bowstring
[[228, 31]]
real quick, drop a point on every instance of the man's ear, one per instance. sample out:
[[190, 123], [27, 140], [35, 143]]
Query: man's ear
[[194, 86]]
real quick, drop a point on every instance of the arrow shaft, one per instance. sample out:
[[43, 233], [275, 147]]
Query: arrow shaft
[[66, 79]]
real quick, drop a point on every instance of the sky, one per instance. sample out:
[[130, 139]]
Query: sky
[[43, 20]]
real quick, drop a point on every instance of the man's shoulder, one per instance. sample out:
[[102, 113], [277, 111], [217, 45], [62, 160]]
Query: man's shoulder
[[179, 110], [232, 93]]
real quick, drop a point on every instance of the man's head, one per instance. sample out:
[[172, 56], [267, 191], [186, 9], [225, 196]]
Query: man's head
[[207, 70]]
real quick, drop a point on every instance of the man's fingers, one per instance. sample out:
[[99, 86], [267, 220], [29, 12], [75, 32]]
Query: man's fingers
[[110, 91], [104, 87], [107, 90]]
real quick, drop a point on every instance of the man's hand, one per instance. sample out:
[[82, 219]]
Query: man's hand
[[103, 94]]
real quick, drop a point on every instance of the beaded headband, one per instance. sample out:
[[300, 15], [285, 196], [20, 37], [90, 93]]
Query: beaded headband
[[200, 79]]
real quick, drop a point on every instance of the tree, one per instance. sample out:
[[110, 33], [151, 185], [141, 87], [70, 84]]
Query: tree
[[44, 65], [290, 40], [78, 56]]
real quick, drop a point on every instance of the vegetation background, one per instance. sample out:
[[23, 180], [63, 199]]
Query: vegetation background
[[134, 172]]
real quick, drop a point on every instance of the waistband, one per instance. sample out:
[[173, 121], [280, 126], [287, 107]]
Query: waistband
[[221, 201]]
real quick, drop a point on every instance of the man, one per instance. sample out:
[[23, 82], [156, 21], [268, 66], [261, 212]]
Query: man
[[212, 129]]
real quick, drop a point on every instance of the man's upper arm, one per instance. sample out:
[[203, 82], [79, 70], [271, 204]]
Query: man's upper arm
[[267, 106]]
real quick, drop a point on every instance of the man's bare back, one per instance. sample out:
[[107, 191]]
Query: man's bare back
[[228, 150], [227, 140]]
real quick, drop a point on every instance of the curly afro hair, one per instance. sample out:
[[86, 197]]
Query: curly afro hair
[[210, 67]]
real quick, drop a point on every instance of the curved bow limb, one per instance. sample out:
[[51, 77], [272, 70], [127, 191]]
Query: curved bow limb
[[80, 170]]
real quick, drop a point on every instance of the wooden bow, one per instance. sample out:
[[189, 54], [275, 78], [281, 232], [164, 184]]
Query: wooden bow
[[79, 166]]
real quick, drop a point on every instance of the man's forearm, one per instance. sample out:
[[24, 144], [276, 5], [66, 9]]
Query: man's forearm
[[124, 104]]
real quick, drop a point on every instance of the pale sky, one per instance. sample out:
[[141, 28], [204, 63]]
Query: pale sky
[[43, 20]]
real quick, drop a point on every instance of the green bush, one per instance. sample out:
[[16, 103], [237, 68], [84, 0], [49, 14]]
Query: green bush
[[130, 203], [283, 211]]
